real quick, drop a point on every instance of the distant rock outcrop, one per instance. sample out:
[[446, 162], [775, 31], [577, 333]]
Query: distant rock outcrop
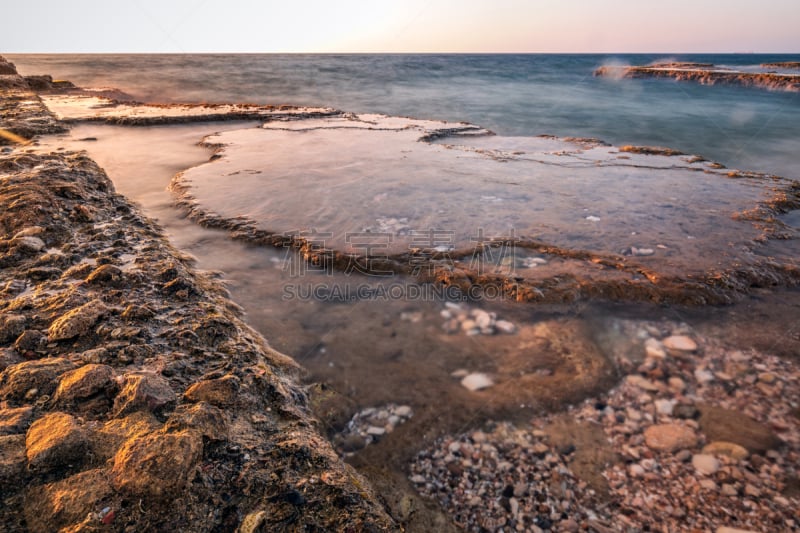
[[706, 74]]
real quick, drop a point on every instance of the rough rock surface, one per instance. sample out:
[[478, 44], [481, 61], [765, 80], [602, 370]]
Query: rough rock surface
[[707, 74], [103, 455]]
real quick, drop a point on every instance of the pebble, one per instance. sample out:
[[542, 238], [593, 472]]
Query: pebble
[[636, 470], [664, 407], [370, 425], [680, 343], [642, 251], [677, 384], [654, 348], [459, 317], [703, 376], [705, 464], [733, 408], [641, 382], [375, 431], [727, 449], [670, 437], [708, 484], [477, 381], [504, 326]]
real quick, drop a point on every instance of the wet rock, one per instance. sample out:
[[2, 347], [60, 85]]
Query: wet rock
[[156, 465], [11, 326], [83, 382], [477, 381], [55, 440], [76, 322], [721, 424], [28, 244], [685, 411], [727, 449], [220, 392], [42, 273], [143, 390], [106, 275], [96, 355], [202, 418], [137, 312], [30, 340], [15, 421], [12, 459], [17, 380], [670, 437], [680, 343], [66, 502], [705, 464]]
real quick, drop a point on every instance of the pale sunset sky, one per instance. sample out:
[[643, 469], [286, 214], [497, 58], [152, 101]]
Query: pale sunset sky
[[400, 26]]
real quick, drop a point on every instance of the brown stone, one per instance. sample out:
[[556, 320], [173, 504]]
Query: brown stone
[[11, 326], [83, 382], [105, 275], [113, 434], [220, 392], [670, 437], [31, 339], [728, 449], [156, 465], [720, 424], [143, 390], [55, 440], [12, 459], [67, 502], [202, 418], [15, 421], [42, 374], [76, 322]]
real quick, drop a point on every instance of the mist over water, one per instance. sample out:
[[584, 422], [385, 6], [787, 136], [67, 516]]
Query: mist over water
[[517, 95]]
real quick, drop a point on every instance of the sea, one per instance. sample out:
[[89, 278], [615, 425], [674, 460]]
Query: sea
[[510, 94]]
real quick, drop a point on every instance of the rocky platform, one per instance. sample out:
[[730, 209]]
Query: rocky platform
[[133, 397], [709, 74]]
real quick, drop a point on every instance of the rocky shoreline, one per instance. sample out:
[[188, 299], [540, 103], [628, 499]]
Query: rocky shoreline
[[708, 74], [132, 394]]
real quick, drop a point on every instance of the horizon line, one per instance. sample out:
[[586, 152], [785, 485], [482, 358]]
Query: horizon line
[[207, 52]]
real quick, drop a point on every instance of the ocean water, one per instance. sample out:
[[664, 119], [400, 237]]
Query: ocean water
[[513, 95]]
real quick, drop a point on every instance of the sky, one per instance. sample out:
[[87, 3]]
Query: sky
[[134, 26]]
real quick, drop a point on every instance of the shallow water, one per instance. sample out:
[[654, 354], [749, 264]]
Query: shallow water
[[379, 347], [367, 186], [370, 352]]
